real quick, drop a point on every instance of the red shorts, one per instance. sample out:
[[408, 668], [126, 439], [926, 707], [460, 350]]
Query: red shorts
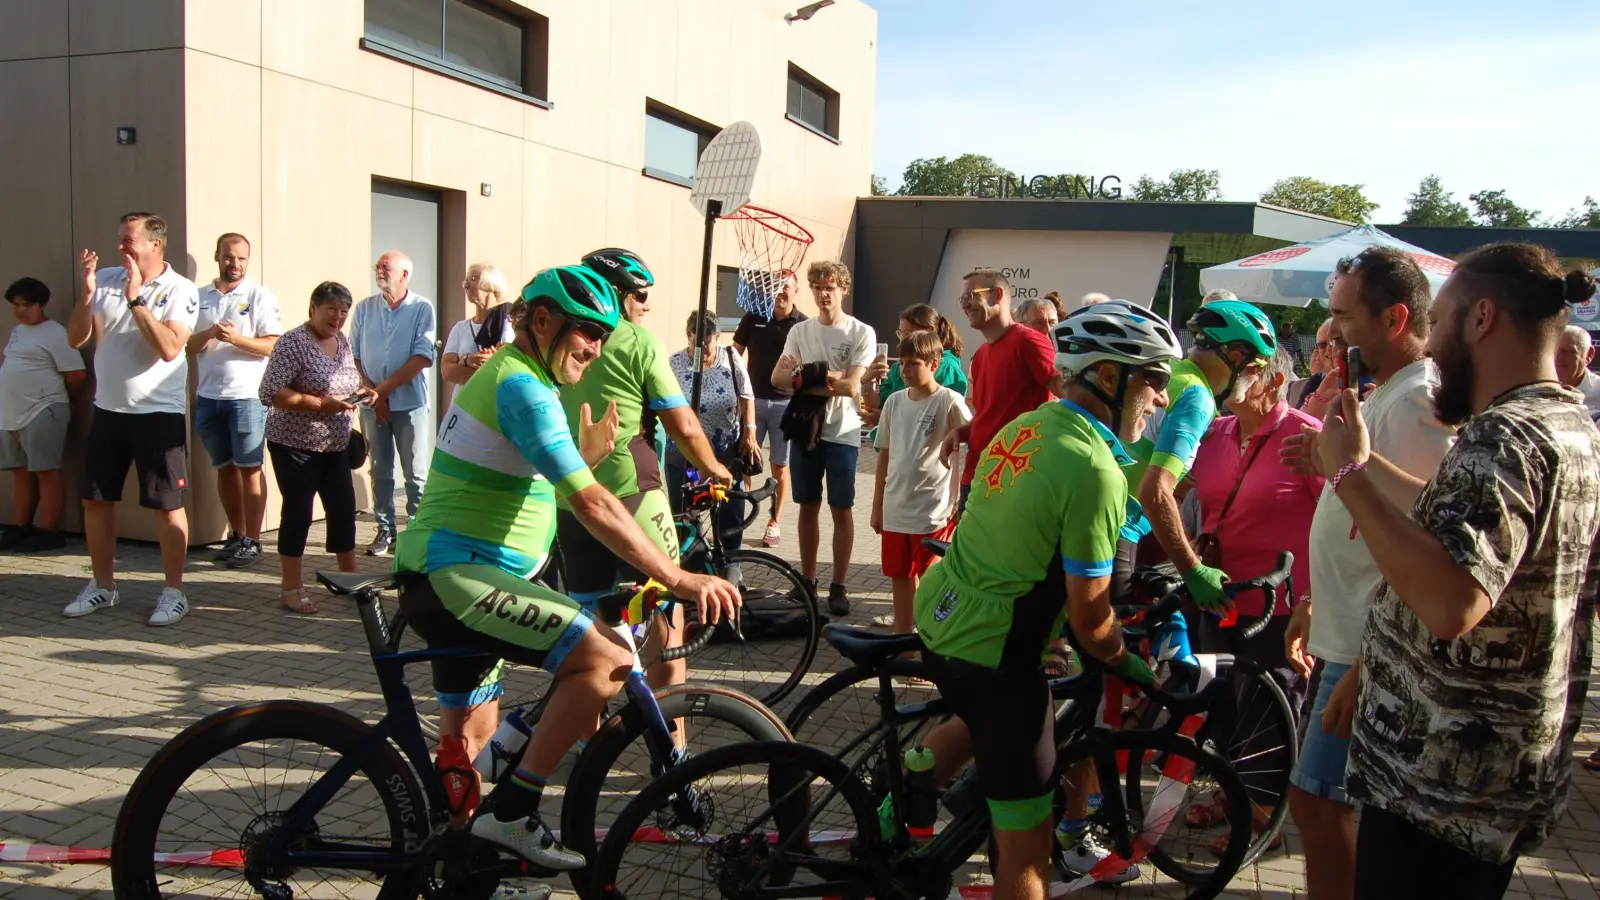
[[905, 557]]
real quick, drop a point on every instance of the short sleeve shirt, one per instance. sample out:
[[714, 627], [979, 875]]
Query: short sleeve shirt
[[386, 339], [764, 339], [1009, 378], [36, 357], [722, 385], [843, 345], [633, 371], [1050, 483], [1471, 739], [916, 489], [225, 371], [130, 376], [503, 455], [463, 341], [299, 364], [1190, 408]]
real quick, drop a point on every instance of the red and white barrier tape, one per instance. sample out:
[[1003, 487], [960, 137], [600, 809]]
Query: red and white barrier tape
[[14, 851]]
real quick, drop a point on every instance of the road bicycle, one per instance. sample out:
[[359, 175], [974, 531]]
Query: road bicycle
[[289, 799], [791, 820]]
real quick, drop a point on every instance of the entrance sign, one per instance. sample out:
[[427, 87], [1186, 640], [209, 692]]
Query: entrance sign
[[1047, 187]]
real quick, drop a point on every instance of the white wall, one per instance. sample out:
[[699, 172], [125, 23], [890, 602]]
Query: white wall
[[1072, 263]]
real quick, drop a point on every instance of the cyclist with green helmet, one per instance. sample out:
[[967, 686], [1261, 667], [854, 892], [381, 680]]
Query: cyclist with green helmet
[[634, 375], [1233, 342], [486, 522]]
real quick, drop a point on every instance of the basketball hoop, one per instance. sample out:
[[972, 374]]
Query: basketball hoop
[[771, 247]]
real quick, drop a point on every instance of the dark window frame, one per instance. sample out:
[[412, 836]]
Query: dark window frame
[[702, 129], [535, 29], [830, 98]]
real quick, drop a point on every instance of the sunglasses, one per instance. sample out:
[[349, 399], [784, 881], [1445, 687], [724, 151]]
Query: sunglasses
[[639, 296], [592, 332], [1156, 379]]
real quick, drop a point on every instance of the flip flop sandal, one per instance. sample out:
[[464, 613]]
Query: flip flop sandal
[[1205, 815], [296, 601], [1592, 761]]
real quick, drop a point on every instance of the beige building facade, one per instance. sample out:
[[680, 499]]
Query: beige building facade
[[519, 132]]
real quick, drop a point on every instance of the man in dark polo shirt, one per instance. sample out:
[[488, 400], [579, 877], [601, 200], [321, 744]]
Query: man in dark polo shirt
[[762, 339]]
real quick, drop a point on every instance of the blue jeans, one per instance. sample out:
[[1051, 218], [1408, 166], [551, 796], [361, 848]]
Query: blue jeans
[[832, 463], [410, 434], [234, 432], [1320, 770]]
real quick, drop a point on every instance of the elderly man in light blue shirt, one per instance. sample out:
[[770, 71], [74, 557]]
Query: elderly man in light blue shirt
[[392, 340]]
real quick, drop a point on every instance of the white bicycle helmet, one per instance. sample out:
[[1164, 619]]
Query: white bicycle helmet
[[1118, 331]]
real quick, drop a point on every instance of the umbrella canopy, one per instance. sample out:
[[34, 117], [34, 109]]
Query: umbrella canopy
[[1299, 274]]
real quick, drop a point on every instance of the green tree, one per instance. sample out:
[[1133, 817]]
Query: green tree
[[945, 177], [1182, 184], [880, 187], [1433, 205], [1585, 216], [1496, 210], [1337, 201]]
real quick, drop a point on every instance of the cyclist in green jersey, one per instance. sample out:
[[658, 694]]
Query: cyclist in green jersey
[[486, 522], [1233, 342], [1035, 547], [635, 375]]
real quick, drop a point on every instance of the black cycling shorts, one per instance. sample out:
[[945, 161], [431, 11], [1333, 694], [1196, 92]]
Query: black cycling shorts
[[589, 567], [1012, 720]]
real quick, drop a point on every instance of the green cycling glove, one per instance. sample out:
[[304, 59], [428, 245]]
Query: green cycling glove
[[1205, 586], [1134, 670]]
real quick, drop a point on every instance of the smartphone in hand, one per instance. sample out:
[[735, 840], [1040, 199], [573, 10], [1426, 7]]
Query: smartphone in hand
[[1344, 366], [357, 399]]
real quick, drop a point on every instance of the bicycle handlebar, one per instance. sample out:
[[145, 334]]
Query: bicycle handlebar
[[1268, 584]]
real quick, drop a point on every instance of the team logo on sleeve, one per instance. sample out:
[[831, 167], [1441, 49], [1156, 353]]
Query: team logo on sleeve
[[1008, 456]]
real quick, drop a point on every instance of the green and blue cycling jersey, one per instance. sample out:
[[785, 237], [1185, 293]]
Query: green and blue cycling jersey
[[1190, 408], [503, 456]]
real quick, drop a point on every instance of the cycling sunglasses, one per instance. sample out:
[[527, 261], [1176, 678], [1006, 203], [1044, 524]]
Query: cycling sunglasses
[[1155, 378], [593, 332]]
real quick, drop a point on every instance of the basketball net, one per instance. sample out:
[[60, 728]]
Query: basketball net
[[771, 247]]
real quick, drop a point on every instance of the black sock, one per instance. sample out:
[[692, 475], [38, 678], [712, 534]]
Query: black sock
[[517, 797]]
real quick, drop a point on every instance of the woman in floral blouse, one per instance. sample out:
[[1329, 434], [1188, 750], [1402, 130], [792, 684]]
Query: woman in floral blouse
[[311, 385]]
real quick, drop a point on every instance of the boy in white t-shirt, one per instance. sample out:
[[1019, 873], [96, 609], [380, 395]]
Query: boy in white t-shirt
[[846, 346], [911, 498], [39, 371]]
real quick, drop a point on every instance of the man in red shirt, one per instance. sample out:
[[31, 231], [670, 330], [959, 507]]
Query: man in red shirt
[[1011, 372]]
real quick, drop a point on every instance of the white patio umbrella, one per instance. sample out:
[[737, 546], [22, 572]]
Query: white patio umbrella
[[1301, 273]]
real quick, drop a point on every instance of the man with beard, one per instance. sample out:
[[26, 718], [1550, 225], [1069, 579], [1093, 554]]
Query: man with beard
[[1473, 651], [1379, 305]]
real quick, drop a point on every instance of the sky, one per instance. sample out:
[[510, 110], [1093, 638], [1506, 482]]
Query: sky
[[1486, 95]]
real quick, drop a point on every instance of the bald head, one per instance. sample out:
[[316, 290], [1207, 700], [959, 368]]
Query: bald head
[[393, 274], [1574, 353], [1093, 298]]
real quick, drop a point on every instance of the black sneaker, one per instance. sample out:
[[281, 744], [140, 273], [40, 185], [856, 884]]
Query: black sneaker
[[838, 600], [40, 541], [248, 553], [229, 548], [382, 543], [12, 535]]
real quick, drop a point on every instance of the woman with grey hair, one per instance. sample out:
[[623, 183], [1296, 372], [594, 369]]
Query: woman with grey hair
[[1252, 507], [473, 340]]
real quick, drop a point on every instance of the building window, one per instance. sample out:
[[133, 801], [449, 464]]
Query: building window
[[813, 104], [728, 311], [502, 48], [673, 143]]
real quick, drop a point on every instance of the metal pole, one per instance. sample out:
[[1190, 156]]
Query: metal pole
[[713, 210]]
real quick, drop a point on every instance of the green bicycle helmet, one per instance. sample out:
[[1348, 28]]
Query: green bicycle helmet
[[623, 268], [1225, 322], [577, 292]]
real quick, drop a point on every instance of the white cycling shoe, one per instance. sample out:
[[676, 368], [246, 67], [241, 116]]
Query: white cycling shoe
[[1086, 853], [530, 839]]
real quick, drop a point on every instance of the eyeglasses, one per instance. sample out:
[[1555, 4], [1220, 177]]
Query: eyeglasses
[[1323, 345], [1155, 379], [902, 333], [975, 294]]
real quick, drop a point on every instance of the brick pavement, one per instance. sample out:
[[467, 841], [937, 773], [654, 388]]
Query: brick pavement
[[85, 702]]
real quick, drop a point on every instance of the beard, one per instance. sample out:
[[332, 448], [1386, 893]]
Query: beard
[[1458, 374], [1242, 386]]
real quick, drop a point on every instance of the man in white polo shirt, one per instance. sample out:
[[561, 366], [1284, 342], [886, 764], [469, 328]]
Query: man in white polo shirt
[[234, 334], [142, 313]]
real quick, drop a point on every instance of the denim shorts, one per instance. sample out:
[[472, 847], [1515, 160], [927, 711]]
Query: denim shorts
[[234, 432], [834, 462], [1320, 770]]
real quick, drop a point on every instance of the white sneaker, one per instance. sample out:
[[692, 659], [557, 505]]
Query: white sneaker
[[529, 839], [518, 892], [1083, 856], [91, 599], [171, 607]]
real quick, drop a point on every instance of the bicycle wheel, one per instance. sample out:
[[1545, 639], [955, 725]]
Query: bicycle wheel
[[837, 714], [220, 791], [780, 623], [1167, 774], [1256, 733], [616, 765], [742, 819]]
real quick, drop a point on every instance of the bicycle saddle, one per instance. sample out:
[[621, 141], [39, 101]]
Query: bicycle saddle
[[866, 648], [343, 583]]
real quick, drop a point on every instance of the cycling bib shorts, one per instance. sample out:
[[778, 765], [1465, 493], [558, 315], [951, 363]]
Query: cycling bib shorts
[[590, 568]]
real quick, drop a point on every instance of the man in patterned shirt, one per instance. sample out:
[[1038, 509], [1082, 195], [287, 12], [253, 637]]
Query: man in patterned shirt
[[1462, 742]]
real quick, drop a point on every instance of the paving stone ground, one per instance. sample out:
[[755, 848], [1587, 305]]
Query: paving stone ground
[[84, 703]]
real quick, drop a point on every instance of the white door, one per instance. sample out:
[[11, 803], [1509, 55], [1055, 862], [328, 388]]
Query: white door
[[407, 219]]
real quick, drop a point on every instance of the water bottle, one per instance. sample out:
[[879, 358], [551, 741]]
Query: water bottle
[[460, 782], [922, 791], [503, 751]]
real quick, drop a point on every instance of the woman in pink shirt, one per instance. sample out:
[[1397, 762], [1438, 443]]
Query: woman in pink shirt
[[1253, 507]]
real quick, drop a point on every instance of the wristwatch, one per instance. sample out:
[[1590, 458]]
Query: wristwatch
[[134, 301]]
